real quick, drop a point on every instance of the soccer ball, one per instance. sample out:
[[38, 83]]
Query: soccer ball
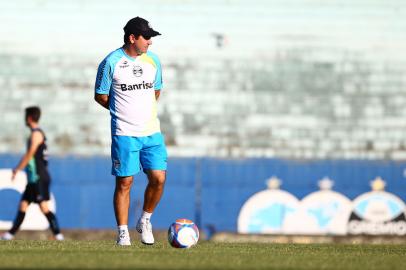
[[183, 233]]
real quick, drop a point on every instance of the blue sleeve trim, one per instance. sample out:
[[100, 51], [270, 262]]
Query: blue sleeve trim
[[158, 82], [104, 78]]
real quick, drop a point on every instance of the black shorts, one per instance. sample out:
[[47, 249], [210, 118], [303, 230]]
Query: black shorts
[[36, 192]]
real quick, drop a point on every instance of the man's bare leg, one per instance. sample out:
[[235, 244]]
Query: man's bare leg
[[152, 196], [154, 190], [121, 206], [122, 199]]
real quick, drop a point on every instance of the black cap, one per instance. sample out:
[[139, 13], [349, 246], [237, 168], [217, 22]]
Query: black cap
[[140, 26]]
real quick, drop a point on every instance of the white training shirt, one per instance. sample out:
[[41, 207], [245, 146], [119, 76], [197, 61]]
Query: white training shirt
[[131, 84]]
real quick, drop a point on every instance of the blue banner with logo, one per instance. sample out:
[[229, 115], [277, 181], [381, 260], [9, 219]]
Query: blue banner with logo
[[212, 191]]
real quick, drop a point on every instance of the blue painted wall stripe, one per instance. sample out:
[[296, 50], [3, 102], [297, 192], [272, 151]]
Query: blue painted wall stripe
[[83, 187]]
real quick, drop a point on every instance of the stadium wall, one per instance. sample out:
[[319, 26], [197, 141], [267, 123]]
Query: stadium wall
[[210, 191], [261, 79]]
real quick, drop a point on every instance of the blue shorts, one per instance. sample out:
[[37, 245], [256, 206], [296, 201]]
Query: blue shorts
[[130, 154]]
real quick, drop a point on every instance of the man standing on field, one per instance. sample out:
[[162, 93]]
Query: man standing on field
[[128, 83]]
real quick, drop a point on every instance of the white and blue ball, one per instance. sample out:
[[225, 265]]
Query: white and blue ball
[[183, 233]]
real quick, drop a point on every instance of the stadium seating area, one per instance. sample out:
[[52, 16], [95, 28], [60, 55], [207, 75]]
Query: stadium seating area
[[263, 78]]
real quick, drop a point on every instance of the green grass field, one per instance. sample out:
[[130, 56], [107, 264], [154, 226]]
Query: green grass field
[[21, 254]]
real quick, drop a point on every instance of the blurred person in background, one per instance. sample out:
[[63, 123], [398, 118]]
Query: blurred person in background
[[128, 83], [35, 162]]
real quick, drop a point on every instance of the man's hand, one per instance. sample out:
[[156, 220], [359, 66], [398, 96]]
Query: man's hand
[[102, 100], [13, 174]]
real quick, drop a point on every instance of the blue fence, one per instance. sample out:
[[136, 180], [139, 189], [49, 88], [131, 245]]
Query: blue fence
[[208, 190]]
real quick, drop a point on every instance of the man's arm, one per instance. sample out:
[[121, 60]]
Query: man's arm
[[36, 139], [103, 100]]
